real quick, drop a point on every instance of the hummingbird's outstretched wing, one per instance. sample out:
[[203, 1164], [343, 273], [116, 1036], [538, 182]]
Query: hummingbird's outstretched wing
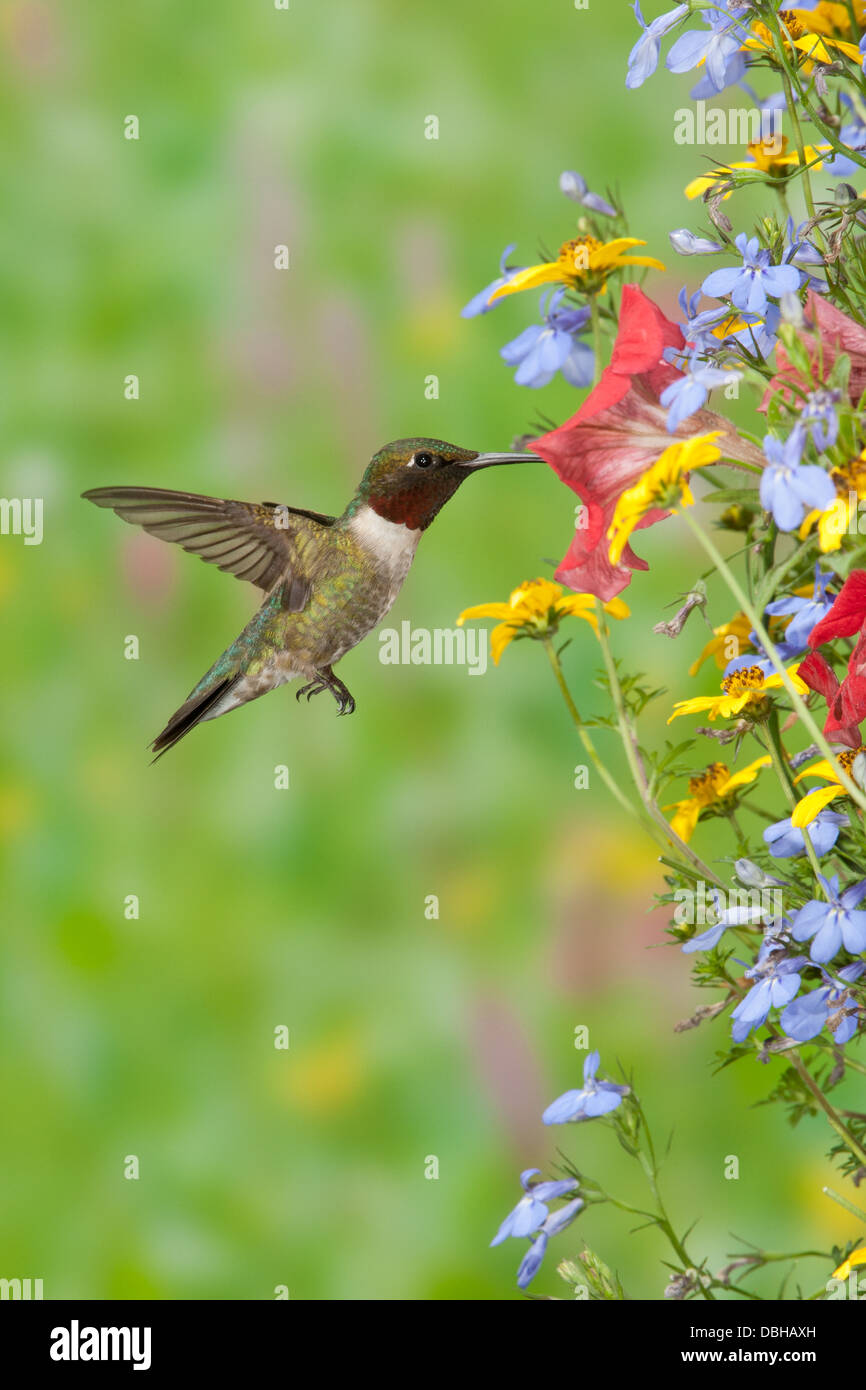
[[256, 541]]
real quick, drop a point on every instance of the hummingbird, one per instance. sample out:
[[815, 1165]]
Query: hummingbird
[[327, 580]]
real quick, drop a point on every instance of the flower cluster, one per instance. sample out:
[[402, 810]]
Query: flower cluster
[[771, 827]]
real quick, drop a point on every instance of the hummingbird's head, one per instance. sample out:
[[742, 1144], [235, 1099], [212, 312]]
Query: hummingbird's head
[[408, 481]]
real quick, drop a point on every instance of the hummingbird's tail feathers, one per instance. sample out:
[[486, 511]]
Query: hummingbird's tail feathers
[[256, 541], [199, 706]]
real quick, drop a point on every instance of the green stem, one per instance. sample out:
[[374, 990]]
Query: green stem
[[844, 1202], [632, 754], [596, 338], [650, 1167], [791, 103], [783, 775], [609, 780], [833, 1118]]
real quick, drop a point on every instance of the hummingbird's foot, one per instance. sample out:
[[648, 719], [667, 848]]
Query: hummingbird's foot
[[326, 680], [314, 688]]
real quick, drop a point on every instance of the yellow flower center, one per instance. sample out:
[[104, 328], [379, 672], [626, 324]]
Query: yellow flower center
[[846, 759], [792, 24], [749, 678], [851, 477], [576, 255], [705, 787]]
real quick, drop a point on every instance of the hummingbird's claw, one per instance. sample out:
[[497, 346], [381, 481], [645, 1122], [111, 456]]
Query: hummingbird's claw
[[326, 680], [314, 688]]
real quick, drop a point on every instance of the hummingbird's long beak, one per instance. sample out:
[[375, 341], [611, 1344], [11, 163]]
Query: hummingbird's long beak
[[489, 460]]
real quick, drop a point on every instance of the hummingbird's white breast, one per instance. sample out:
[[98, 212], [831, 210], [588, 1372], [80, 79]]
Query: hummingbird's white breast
[[391, 543]]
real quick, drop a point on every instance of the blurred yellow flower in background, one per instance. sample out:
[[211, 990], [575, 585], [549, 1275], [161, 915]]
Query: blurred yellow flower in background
[[857, 1257], [728, 641]]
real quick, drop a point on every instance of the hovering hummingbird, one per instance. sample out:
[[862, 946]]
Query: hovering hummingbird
[[327, 580]]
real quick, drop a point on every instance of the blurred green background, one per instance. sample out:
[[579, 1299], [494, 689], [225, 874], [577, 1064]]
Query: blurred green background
[[409, 1037]]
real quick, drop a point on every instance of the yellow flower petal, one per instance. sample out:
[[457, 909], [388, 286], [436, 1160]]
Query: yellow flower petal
[[745, 775], [640, 260], [695, 706], [529, 278], [535, 596], [499, 639], [824, 768], [815, 801], [485, 610], [857, 1257], [576, 603], [822, 51], [621, 243], [616, 608], [686, 819]]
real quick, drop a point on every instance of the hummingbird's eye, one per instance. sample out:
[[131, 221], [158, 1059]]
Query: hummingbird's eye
[[422, 460]]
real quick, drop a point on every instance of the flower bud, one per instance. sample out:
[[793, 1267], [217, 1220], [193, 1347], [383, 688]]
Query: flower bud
[[687, 244]]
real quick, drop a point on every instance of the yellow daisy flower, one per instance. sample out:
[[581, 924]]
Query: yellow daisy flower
[[745, 687], [814, 33], [713, 786], [660, 487], [763, 157], [857, 1257], [583, 264], [535, 609], [833, 523], [815, 800], [728, 640]]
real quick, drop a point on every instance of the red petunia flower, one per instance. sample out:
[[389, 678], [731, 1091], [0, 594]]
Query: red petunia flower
[[616, 435], [833, 333], [846, 700]]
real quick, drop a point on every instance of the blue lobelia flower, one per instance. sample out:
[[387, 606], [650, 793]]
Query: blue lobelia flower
[[758, 334], [480, 302], [834, 923], [819, 419], [788, 487], [734, 71], [689, 393], [544, 349], [799, 251], [531, 1211], [718, 46], [737, 916], [596, 1098], [532, 1260], [687, 244], [644, 57], [785, 841], [807, 612], [831, 1005], [574, 186], [750, 283], [777, 979], [556, 1222], [759, 657], [531, 1218]]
